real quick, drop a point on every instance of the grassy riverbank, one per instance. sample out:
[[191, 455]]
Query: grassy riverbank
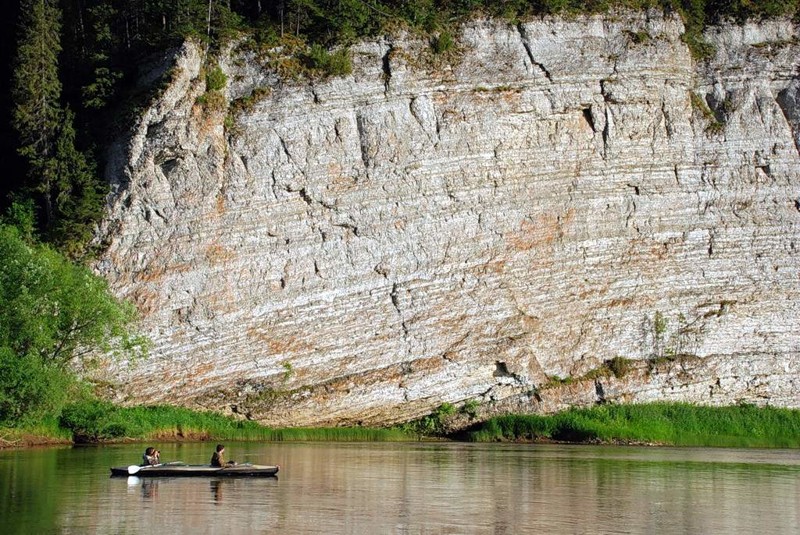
[[669, 424], [673, 424], [98, 421], [44, 434], [102, 422]]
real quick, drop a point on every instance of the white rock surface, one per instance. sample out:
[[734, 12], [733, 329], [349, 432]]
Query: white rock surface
[[429, 230]]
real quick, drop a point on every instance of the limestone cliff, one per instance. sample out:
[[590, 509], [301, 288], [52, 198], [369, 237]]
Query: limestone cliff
[[470, 226]]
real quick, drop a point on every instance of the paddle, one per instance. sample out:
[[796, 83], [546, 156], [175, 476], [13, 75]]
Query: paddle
[[132, 469], [235, 465]]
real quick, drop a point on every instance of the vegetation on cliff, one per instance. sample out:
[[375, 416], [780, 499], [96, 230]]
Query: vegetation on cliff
[[73, 64]]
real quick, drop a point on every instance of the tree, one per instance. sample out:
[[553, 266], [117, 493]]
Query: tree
[[29, 390], [36, 91], [52, 312], [60, 177], [102, 84], [80, 194]]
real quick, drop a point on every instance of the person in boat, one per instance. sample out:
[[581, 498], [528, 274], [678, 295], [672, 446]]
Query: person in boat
[[218, 458], [151, 457]]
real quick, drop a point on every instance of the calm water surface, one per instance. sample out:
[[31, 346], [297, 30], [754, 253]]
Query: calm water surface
[[408, 489]]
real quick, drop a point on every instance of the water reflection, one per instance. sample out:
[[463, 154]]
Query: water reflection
[[216, 486], [410, 488], [150, 489]]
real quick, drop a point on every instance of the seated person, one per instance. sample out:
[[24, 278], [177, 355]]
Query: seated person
[[151, 457], [218, 460]]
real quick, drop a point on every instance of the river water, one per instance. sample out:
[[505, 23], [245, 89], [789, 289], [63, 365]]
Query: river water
[[409, 488]]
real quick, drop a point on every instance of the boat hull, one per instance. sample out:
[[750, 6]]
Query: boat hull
[[200, 470]]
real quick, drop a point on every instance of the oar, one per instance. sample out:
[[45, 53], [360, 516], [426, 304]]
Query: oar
[[132, 469], [237, 465]]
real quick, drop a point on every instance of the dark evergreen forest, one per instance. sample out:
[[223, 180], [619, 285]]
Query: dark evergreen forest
[[68, 68]]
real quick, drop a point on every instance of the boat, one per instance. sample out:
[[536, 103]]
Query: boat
[[196, 470]]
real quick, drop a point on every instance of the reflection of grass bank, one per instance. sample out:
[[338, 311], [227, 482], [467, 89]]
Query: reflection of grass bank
[[675, 424]]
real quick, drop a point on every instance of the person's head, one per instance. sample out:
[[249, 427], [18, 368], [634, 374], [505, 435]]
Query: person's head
[[150, 451], [220, 448]]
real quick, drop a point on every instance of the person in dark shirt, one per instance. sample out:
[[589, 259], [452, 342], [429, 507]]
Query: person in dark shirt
[[218, 459]]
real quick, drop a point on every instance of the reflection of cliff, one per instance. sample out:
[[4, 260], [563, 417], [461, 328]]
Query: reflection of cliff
[[457, 488], [434, 229]]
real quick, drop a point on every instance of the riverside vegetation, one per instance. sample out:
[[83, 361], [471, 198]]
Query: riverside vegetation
[[673, 424], [73, 74], [663, 424]]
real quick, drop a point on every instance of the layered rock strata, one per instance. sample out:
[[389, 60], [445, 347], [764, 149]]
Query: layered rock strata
[[491, 224]]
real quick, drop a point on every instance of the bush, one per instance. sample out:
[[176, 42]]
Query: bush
[[216, 79], [93, 420], [619, 366], [29, 389], [337, 63], [433, 424], [470, 408], [443, 42]]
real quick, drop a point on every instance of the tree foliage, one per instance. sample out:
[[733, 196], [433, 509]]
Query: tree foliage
[[52, 312], [79, 193], [37, 91], [60, 176]]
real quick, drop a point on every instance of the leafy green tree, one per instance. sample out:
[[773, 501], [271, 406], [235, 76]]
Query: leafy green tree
[[52, 312], [30, 390]]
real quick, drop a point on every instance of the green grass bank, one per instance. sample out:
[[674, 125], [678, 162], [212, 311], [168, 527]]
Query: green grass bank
[[670, 424], [100, 422]]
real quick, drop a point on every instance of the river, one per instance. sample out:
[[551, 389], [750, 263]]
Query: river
[[408, 488]]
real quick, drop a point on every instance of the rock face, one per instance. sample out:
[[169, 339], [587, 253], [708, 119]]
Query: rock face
[[468, 226]]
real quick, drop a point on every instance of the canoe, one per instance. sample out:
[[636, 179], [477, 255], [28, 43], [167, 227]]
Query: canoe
[[197, 470]]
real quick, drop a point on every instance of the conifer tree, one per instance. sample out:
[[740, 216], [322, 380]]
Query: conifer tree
[[100, 88], [60, 177], [80, 193], [36, 91]]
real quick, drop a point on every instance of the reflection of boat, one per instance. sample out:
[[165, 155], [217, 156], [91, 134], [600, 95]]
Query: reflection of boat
[[196, 470]]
